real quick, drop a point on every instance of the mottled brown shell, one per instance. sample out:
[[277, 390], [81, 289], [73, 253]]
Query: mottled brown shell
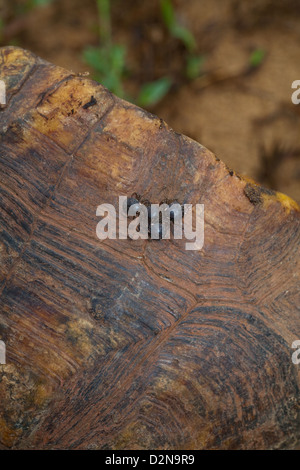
[[123, 344]]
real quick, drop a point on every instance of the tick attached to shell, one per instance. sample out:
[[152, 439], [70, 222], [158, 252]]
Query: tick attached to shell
[[156, 213]]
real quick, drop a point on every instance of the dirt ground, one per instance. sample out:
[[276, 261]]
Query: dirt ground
[[246, 117]]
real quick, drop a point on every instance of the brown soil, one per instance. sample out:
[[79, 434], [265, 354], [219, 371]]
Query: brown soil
[[246, 118]]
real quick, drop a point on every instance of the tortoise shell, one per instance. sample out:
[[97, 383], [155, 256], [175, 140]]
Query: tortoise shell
[[123, 344]]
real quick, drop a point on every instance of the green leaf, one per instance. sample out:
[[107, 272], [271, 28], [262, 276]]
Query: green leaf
[[104, 20], [193, 66], [168, 14], [176, 30], [257, 57], [184, 35], [109, 65], [151, 93], [95, 57], [117, 58]]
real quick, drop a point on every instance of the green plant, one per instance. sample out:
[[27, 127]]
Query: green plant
[[104, 21], [257, 57], [175, 29], [151, 93], [109, 66], [107, 59], [194, 62]]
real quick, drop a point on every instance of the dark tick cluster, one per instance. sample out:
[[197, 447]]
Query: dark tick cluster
[[155, 215]]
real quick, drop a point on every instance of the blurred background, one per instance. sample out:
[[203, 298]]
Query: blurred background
[[219, 71]]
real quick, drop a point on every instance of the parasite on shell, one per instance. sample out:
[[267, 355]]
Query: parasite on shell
[[155, 213]]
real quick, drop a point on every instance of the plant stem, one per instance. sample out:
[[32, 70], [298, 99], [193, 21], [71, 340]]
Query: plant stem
[[104, 21]]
